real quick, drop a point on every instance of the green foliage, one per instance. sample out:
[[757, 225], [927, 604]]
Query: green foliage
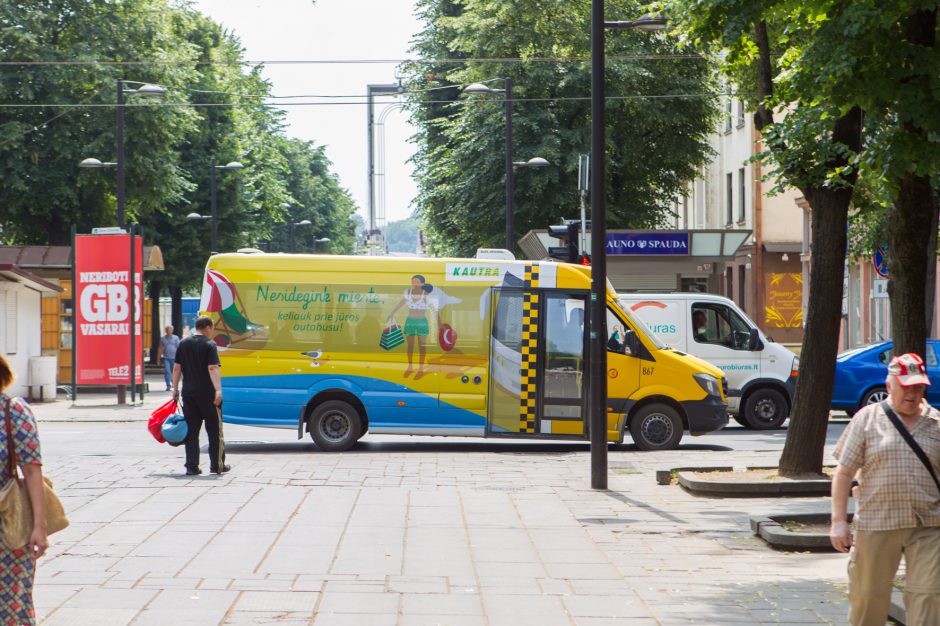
[[829, 56], [654, 145], [402, 236], [170, 148]]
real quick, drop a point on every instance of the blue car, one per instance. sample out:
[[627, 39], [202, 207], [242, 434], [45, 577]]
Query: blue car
[[861, 373]]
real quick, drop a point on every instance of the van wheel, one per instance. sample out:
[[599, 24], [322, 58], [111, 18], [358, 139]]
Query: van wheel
[[739, 418], [335, 426], [656, 427], [765, 409]]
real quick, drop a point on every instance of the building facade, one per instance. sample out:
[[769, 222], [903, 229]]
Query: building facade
[[765, 277]]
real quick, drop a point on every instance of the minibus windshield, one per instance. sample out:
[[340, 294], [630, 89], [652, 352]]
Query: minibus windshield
[[641, 326]]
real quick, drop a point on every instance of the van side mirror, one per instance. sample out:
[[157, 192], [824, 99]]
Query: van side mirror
[[755, 344]]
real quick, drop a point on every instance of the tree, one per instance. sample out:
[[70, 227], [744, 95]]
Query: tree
[[655, 145], [402, 235], [170, 147], [316, 195], [41, 189], [813, 148], [830, 64]]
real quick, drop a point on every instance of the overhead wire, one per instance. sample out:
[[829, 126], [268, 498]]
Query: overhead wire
[[8, 105], [454, 60]]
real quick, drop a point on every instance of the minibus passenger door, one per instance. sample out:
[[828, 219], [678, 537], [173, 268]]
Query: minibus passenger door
[[562, 398], [504, 404]]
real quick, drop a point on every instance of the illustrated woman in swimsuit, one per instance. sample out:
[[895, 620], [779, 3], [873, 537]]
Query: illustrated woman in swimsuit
[[419, 301]]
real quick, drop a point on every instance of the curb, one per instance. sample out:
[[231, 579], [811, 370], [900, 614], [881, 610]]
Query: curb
[[664, 477], [770, 529], [754, 488]]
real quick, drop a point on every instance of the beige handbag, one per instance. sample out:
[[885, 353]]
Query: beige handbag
[[15, 507]]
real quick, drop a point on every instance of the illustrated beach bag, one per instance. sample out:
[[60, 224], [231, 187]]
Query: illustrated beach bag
[[392, 337], [159, 415], [15, 507], [174, 429]]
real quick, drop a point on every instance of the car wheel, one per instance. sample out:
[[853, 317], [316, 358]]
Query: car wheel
[[765, 409], [335, 426], [873, 396], [739, 418], [656, 427]]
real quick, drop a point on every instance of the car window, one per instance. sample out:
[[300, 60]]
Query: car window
[[719, 324], [885, 356]]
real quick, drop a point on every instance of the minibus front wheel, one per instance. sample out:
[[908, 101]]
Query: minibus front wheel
[[335, 426], [656, 426]]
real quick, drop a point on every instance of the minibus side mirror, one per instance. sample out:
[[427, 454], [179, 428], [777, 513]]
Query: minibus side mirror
[[755, 344]]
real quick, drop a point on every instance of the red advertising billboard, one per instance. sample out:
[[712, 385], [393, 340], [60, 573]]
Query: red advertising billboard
[[103, 309]]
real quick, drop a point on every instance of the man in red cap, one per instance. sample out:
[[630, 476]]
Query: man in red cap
[[898, 509]]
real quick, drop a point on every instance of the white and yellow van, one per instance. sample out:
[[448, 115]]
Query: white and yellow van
[[341, 345]]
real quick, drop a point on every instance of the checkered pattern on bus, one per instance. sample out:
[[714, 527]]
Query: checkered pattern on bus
[[530, 329]]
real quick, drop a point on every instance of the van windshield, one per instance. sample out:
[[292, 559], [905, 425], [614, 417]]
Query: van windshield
[[641, 326]]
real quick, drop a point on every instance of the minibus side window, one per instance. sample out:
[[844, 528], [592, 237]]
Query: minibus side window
[[616, 335], [507, 325]]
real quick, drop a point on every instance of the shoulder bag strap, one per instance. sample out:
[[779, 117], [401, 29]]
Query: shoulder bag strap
[[910, 441], [11, 451]]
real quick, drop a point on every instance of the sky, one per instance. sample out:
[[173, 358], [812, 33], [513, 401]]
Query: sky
[[292, 30]]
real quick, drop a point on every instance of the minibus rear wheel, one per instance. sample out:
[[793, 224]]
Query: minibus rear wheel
[[656, 427], [335, 426]]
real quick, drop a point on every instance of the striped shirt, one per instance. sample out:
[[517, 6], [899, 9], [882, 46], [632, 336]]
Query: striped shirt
[[896, 489]]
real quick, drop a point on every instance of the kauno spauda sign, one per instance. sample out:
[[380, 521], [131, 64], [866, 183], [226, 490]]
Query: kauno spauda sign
[[648, 243]]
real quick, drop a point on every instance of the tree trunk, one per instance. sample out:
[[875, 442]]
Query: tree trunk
[[912, 225], [930, 290], [909, 237], [176, 309], [155, 331], [809, 420]]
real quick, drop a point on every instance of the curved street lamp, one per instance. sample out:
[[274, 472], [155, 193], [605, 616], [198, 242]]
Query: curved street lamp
[[231, 165], [482, 89], [147, 90], [597, 387], [290, 237]]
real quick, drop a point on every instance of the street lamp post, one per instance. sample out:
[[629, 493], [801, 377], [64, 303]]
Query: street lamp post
[[480, 88], [231, 165], [149, 90], [597, 408], [323, 240], [290, 237]]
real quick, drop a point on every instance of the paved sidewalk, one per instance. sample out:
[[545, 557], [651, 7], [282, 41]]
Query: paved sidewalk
[[93, 405], [412, 531]]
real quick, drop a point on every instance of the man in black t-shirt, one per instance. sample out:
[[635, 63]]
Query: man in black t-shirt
[[197, 360]]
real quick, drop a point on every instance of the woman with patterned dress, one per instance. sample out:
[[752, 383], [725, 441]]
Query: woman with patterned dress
[[18, 566]]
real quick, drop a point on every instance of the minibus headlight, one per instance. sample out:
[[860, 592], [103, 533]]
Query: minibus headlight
[[709, 383]]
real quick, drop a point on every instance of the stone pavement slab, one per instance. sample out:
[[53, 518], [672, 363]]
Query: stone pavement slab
[[454, 533]]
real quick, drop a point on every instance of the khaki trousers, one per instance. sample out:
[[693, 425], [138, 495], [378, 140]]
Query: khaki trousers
[[873, 563]]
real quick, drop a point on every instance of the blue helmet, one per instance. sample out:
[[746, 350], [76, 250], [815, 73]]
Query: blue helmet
[[174, 429]]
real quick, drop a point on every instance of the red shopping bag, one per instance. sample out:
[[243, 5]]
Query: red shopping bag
[[159, 415]]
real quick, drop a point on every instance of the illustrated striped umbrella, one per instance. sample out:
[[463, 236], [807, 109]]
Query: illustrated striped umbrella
[[218, 296]]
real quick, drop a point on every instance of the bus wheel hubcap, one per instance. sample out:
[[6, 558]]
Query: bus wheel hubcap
[[657, 428], [335, 426]]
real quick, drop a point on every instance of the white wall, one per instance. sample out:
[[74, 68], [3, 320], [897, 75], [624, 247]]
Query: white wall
[[20, 331]]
